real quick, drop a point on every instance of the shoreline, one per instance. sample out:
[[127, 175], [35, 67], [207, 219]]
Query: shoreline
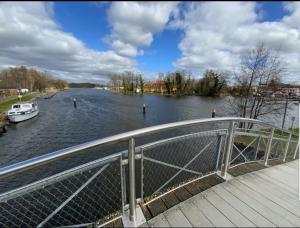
[[4, 106], [195, 95], [167, 95]]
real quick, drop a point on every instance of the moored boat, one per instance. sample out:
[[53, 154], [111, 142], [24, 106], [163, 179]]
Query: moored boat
[[22, 112]]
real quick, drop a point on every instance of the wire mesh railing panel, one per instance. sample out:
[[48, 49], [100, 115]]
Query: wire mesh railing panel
[[77, 196], [246, 148], [168, 163], [292, 149], [277, 148]]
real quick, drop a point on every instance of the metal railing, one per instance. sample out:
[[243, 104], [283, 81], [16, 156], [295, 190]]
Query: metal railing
[[104, 189]]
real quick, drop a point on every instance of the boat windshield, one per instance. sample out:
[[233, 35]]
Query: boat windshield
[[16, 106]]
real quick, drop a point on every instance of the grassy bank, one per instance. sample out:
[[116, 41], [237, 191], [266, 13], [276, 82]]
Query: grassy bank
[[244, 139], [7, 104]]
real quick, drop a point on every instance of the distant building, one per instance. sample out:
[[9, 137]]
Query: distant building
[[155, 87], [50, 89], [292, 90], [24, 91], [8, 91], [281, 90]]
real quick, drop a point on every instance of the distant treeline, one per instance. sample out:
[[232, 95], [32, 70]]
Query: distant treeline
[[213, 83], [83, 85], [29, 78], [127, 82]]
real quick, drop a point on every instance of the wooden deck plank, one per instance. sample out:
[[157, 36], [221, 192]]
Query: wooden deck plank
[[203, 185], [283, 166], [267, 197], [157, 207], [193, 188], [286, 169], [194, 215], [269, 180], [212, 180], [289, 214], [292, 164], [277, 180], [292, 182], [254, 166], [282, 174], [212, 213], [235, 171], [243, 208], [159, 221], [146, 212], [176, 218], [231, 213], [256, 205], [170, 200], [245, 168], [272, 193], [272, 187], [281, 177], [275, 162], [182, 194]]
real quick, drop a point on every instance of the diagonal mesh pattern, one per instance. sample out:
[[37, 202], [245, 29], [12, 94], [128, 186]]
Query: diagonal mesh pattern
[[277, 149], [292, 149], [168, 163], [77, 196], [246, 148]]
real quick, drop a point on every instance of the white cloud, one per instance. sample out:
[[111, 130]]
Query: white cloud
[[29, 36], [215, 35], [133, 24]]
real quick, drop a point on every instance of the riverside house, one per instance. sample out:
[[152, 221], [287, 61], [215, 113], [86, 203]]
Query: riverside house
[[8, 91], [155, 87]]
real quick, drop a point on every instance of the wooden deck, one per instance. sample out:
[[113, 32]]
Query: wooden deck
[[264, 198]]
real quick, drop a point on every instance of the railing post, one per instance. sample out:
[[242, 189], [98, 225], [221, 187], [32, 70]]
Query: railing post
[[269, 146], [257, 147], [287, 146], [219, 148], [229, 146], [295, 153], [131, 166]]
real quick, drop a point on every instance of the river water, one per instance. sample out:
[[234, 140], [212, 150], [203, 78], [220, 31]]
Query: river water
[[100, 113]]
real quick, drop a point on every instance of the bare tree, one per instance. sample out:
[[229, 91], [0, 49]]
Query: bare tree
[[259, 69], [23, 77], [129, 81]]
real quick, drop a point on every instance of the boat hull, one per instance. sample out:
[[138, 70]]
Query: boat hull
[[20, 118]]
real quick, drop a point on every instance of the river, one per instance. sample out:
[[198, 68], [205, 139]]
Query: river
[[100, 113]]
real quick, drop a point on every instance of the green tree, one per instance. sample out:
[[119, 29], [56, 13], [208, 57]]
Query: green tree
[[141, 83], [178, 78], [168, 83]]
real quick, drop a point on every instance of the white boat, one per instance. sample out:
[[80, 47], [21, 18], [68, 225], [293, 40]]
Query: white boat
[[21, 112]]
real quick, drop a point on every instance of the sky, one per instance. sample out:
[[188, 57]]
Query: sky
[[86, 41]]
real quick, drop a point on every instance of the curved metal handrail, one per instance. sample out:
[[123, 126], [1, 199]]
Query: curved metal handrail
[[63, 153]]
